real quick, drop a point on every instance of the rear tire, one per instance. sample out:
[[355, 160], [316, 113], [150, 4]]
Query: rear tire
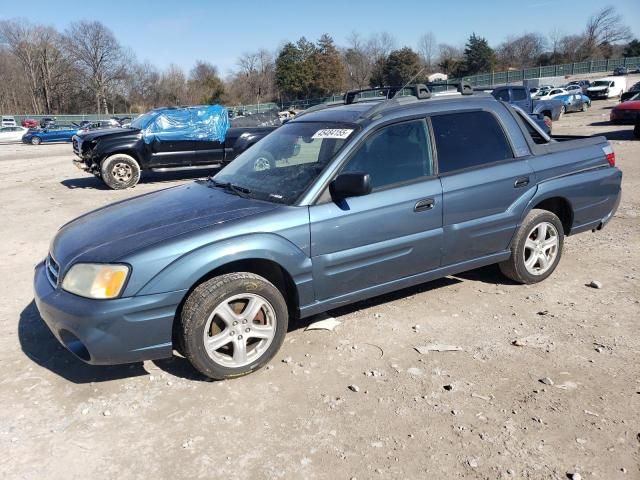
[[120, 171], [232, 325], [536, 248]]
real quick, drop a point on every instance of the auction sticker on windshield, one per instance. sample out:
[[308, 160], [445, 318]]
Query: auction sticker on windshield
[[333, 133]]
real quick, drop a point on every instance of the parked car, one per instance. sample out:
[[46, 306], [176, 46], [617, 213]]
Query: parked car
[[119, 155], [626, 112], [86, 125], [12, 134], [60, 133], [370, 198], [573, 88], [7, 121], [549, 94], [516, 95], [47, 122], [633, 90], [636, 129], [583, 84], [620, 71], [30, 123], [574, 102], [608, 87]]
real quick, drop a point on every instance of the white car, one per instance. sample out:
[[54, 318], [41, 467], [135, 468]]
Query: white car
[[12, 134], [8, 121], [607, 87], [547, 94]]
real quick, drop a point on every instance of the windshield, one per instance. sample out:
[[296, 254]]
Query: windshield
[[280, 167], [601, 83], [142, 121]]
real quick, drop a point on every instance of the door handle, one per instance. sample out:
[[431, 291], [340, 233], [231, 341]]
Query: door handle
[[424, 204], [521, 182]]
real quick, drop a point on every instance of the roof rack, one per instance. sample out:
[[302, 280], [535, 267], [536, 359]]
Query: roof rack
[[389, 96]]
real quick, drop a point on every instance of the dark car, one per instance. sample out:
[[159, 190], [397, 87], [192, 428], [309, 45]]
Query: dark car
[[59, 133], [161, 140], [620, 71], [371, 197], [47, 122], [633, 90]]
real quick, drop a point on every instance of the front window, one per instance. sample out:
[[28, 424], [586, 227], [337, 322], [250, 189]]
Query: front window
[[280, 167], [601, 83]]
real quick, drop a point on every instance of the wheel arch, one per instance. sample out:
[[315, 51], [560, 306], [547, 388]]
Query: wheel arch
[[125, 151], [558, 205]]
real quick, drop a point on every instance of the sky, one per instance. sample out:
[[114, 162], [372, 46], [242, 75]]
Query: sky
[[184, 31]]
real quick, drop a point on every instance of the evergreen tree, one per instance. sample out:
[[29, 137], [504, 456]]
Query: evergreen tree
[[632, 49], [329, 69], [479, 57], [400, 66]]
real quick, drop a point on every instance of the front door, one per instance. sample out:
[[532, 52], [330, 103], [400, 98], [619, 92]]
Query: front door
[[169, 139], [393, 232]]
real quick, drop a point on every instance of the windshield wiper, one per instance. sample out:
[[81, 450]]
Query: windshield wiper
[[240, 191]]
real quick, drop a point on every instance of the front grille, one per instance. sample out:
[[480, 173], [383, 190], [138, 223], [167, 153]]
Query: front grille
[[53, 270]]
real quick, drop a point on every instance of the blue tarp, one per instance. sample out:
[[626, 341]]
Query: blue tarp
[[205, 122]]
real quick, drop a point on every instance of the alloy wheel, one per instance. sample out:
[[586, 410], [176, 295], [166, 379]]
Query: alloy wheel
[[239, 330], [541, 248]]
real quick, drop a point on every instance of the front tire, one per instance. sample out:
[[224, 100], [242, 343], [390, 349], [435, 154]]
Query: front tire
[[536, 249], [120, 171], [36, 140], [232, 325]]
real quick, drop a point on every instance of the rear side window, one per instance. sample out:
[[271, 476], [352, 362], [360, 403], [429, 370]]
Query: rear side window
[[519, 94], [503, 95], [468, 139]]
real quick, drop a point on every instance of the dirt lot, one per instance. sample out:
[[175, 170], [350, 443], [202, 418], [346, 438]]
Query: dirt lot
[[477, 413]]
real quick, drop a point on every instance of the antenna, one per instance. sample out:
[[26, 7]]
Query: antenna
[[409, 82]]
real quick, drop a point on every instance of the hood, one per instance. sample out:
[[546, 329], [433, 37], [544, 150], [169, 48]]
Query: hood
[[597, 89], [112, 232], [628, 105], [107, 132]]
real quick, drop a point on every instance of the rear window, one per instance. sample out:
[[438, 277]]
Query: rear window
[[468, 139], [519, 94]]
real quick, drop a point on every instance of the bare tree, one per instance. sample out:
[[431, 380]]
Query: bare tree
[[521, 51], [257, 72], [449, 57], [604, 28], [19, 36], [427, 49], [97, 53], [380, 45], [357, 62]]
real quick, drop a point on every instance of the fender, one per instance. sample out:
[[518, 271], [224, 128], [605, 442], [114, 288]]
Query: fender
[[183, 272]]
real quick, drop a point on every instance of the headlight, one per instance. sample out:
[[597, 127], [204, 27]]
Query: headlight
[[96, 280]]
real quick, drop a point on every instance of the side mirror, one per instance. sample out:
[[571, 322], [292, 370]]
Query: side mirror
[[351, 184]]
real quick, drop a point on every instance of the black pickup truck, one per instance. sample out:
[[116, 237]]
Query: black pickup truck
[[119, 155]]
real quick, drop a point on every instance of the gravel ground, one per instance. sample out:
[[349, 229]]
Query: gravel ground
[[564, 402]]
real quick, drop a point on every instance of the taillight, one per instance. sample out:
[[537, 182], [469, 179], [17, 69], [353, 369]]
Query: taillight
[[610, 154]]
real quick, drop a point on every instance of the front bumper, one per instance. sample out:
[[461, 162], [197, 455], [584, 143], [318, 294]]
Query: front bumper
[[108, 332]]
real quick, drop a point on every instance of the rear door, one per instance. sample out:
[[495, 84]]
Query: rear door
[[484, 187], [393, 232]]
